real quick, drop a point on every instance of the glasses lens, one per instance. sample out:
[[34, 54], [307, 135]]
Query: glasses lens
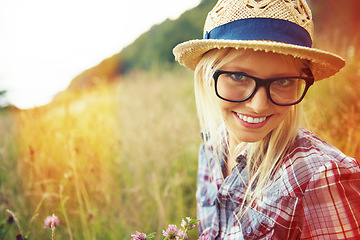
[[287, 90], [235, 86]]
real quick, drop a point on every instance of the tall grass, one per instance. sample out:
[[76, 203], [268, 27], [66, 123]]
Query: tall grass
[[64, 162], [117, 159], [123, 157], [159, 148], [332, 106], [9, 180]]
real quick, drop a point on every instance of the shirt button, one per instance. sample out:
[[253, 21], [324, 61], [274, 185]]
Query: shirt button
[[248, 230]]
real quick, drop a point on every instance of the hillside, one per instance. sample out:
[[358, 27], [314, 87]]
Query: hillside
[[151, 50]]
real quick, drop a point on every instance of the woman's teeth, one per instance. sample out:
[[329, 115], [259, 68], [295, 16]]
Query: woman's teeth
[[251, 119]]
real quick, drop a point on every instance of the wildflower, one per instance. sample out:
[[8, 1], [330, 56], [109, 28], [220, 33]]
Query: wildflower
[[19, 236], [49, 219], [138, 236], [52, 222], [181, 235], [203, 237], [188, 223], [171, 231], [10, 219]]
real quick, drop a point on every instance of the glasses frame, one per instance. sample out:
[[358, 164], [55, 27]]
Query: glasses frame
[[259, 82]]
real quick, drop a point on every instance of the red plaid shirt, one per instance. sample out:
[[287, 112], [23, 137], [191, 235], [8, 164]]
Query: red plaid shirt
[[315, 195]]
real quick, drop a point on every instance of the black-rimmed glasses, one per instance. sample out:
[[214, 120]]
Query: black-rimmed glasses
[[240, 87]]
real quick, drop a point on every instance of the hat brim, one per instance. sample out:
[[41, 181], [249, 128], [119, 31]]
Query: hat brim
[[323, 64]]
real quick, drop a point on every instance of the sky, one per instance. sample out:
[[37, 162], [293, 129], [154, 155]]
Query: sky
[[44, 44]]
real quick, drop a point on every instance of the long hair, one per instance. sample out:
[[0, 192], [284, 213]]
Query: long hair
[[262, 157]]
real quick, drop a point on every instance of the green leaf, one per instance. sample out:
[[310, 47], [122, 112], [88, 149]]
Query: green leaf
[[194, 221], [150, 235]]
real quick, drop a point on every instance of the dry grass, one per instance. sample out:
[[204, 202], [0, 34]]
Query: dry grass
[[123, 157], [332, 106], [111, 161]]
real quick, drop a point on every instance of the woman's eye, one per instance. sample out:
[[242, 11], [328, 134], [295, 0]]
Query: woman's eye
[[237, 76], [284, 82]]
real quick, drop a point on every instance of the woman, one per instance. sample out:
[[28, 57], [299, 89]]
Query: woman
[[261, 175]]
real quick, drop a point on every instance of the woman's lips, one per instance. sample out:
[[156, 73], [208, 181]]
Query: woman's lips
[[252, 121]]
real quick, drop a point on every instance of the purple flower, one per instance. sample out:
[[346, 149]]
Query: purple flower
[[138, 236], [203, 237], [181, 235], [19, 236], [186, 224], [171, 231], [49, 219]]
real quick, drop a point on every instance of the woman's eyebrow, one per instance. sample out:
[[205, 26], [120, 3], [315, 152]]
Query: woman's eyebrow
[[253, 73]]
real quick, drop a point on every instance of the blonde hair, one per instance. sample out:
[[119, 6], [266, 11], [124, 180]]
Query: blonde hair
[[262, 157]]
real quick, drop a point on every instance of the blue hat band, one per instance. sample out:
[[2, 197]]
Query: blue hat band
[[262, 29]]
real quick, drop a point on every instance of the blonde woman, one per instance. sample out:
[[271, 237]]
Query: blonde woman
[[261, 175]]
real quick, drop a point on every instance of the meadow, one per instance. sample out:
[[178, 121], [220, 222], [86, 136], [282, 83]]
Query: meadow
[[123, 157], [107, 162]]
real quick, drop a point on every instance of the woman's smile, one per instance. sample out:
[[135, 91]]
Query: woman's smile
[[252, 122]]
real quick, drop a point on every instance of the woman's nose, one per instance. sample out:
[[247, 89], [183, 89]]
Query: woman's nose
[[259, 102]]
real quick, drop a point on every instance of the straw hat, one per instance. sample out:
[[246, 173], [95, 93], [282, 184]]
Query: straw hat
[[280, 26]]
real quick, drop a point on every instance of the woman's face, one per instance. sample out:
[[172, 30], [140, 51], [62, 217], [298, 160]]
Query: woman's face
[[252, 120]]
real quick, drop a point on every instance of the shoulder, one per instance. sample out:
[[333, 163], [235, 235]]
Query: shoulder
[[311, 158], [330, 187], [311, 149]]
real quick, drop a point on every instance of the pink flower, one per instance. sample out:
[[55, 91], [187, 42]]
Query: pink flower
[[181, 235], [203, 237], [138, 236], [49, 219], [185, 224], [171, 231]]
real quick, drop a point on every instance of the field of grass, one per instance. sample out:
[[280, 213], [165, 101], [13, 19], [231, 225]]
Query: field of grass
[[108, 162], [332, 106], [122, 158]]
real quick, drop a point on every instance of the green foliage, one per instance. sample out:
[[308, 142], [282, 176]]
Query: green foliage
[[107, 162], [4, 228], [153, 49], [150, 51]]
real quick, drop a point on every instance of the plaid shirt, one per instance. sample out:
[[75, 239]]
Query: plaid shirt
[[315, 195]]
